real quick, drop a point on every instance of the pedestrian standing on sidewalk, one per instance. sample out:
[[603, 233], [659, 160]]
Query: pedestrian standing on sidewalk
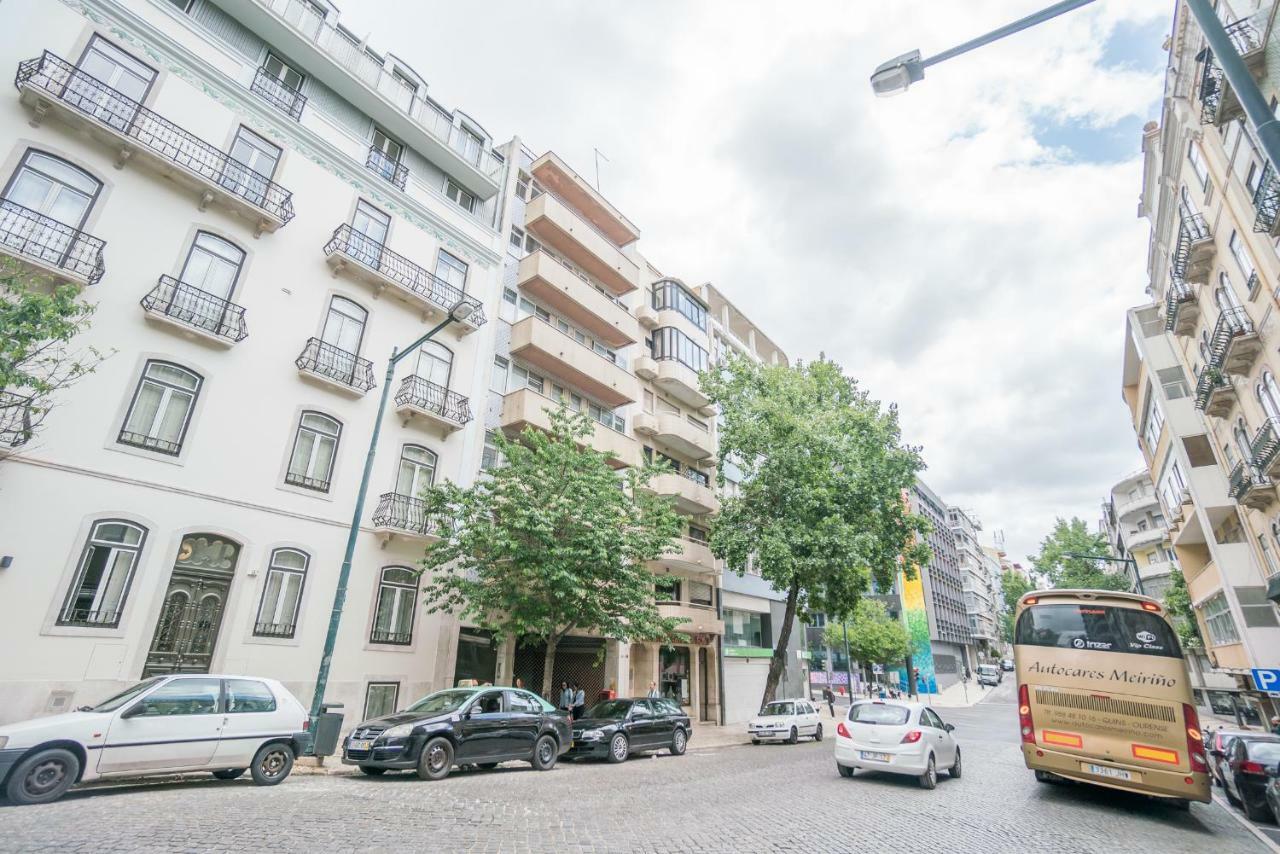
[[579, 701], [653, 691], [566, 697], [1275, 725], [829, 699]]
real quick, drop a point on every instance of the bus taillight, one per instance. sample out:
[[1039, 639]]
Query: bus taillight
[[1195, 741], [1024, 716]]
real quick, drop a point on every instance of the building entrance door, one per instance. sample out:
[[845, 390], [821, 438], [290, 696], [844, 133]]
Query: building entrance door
[[703, 669], [187, 630]]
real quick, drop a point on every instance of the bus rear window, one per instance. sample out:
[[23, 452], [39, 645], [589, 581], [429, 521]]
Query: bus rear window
[[1096, 628]]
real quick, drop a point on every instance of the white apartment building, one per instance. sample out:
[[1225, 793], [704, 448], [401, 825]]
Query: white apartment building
[[980, 584], [1134, 524]]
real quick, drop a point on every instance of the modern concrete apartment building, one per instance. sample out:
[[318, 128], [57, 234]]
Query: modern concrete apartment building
[[981, 582], [1134, 524], [943, 578], [1200, 362]]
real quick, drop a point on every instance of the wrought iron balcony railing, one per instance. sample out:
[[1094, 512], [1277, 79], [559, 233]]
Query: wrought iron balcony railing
[[393, 171], [1211, 380], [65, 83], [1192, 229], [87, 617], [278, 94], [17, 419], [1178, 293], [406, 513], [1231, 323], [387, 636], [1266, 200], [317, 483], [325, 360], [150, 443], [1212, 82], [1245, 37], [27, 234], [696, 476], [400, 270], [1266, 444], [424, 394], [1245, 477], [273, 630], [198, 309]]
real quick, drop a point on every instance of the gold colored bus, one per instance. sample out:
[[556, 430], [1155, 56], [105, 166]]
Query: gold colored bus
[[1103, 695]]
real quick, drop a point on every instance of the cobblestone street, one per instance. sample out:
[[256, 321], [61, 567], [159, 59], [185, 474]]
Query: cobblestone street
[[765, 798]]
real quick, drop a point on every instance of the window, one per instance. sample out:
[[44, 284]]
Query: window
[[390, 149], [1253, 177], [161, 408], [1269, 395], [1196, 157], [700, 593], [1243, 261], [670, 294], [698, 535], [666, 589], [182, 5], [507, 311], [1153, 422], [498, 380], [314, 448], [1174, 382], [343, 333], [459, 196], [648, 401], [522, 703], [249, 695], [671, 343], [119, 71], [212, 265], [393, 619], [188, 696], [523, 180], [743, 628], [1269, 565], [251, 167], [55, 189], [435, 361], [369, 228], [282, 71], [281, 594], [674, 680], [491, 457], [417, 470], [380, 699], [102, 578], [452, 270], [469, 144], [517, 241], [1218, 620]]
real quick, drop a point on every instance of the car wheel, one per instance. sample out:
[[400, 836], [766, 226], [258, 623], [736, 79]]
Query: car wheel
[[1256, 810], [954, 773], [436, 760], [271, 764], [43, 777], [929, 779], [755, 741], [845, 770], [229, 773], [679, 741], [544, 754], [372, 770], [618, 748], [817, 735], [793, 737]]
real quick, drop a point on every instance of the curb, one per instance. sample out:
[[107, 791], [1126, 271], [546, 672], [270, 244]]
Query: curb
[[1246, 824]]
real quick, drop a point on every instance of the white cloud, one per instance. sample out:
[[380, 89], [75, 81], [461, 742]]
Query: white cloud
[[928, 242]]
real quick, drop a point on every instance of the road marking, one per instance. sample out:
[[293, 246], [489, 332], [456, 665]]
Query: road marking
[[1248, 825]]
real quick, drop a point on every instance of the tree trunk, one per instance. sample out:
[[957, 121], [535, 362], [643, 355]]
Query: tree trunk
[[547, 664], [779, 660]]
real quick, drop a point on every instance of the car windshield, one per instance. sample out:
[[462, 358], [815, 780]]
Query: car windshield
[[1266, 752], [778, 709], [612, 709], [986, 668], [1092, 627], [879, 713], [443, 702], [113, 703]]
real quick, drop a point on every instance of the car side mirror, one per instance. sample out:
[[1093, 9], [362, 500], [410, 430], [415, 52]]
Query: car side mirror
[[134, 711], [949, 727]]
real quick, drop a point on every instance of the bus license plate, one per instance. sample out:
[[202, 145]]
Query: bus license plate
[[363, 744], [875, 757], [1103, 771]]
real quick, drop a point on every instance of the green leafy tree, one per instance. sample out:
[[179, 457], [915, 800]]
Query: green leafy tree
[[38, 320], [821, 504], [874, 636], [1074, 537], [551, 542], [1013, 586], [1178, 600]]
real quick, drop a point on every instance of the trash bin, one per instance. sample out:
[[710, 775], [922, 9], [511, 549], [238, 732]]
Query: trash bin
[[328, 726]]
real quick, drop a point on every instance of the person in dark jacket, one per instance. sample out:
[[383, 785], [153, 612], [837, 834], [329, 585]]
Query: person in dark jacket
[[566, 697], [579, 702], [829, 699]]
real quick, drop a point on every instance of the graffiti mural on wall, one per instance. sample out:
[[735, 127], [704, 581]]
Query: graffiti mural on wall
[[917, 620]]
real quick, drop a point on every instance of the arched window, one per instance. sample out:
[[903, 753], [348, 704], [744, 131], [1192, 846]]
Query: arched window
[[434, 363], [344, 325], [397, 596], [51, 187], [282, 594], [104, 574], [1225, 295], [315, 446], [1269, 395], [161, 408], [1241, 434], [213, 265], [417, 470]]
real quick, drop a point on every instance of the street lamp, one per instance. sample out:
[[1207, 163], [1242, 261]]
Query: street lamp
[[1128, 561], [460, 311]]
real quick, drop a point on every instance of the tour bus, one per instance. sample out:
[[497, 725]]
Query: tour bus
[[1103, 695]]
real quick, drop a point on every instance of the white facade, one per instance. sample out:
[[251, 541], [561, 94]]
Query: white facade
[[1134, 523], [981, 587]]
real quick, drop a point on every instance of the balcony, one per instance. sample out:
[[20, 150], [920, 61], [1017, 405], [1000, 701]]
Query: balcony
[[526, 408], [371, 262], [676, 379], [1194, 250], [195, 312], [1234, 345], [336, 368], [273, 90], [693, 556], [545, 347], [556, 285], [1266, 203], [675, 432], [691, 495], [1141, 504], [555, 175], [18, 420], [1219, 102], [404, 515], [391, 171], [337, 59], [49, 84], [696, 619], [1136, 539], [557, 225], [1248, 485], [446, 409], [1215, 394], [49, 247], [1181, 308], [1265, 448]]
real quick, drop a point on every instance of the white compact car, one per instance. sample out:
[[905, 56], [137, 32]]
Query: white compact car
[[167, 724], [785, 720], [897, 737]]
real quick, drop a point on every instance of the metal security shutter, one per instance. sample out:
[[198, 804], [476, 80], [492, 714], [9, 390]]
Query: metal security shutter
[[744, 680]]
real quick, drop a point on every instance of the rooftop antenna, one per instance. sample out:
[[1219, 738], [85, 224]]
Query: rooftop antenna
[[606, 160]]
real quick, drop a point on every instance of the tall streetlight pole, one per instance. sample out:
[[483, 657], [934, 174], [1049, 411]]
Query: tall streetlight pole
[[458, 313]]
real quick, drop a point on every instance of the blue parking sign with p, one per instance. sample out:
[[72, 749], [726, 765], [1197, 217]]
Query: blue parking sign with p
[[1266, 680]]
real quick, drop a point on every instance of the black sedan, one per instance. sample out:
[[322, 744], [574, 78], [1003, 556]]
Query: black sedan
[[1250, 765], [461, 726], [615, 729]]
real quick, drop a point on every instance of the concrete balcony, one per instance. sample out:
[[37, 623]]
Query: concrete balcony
[[194, 312], [1235, 345], [693, 556], [433, 404], [676, 433], [1142, 539], [1181, 308], [554, 174], [526, 408], [49, 248], [1265, 448], [691, 496], [1219, 102], [562, 228], [1194, 250], [1215, 393], [549, 349], [547, 280], [700, 619], [1141, 504], [406, 516], [675, 378], [1248, 485]]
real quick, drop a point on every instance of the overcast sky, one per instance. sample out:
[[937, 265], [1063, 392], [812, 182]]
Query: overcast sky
[[966, 250]]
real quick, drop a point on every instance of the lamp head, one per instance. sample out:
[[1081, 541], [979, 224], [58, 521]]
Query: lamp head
[[462, 309], [893, 77]]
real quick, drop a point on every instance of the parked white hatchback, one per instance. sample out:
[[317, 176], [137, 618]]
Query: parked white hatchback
[[785, 720], [166, 724], [898, 737]]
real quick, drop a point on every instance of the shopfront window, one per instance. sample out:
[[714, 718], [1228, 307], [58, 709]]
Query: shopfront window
[[675, 674], [744, 628]]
